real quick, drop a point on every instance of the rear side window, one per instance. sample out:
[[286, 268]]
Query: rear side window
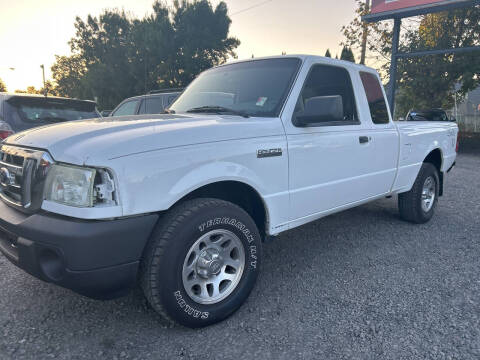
[[127, 108], [376, 100], [326, 80], [432, 115]]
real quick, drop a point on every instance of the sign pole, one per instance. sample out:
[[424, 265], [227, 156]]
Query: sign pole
[[393, 65]]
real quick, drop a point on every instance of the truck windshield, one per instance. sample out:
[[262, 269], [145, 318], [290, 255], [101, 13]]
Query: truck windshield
[[252, 88]]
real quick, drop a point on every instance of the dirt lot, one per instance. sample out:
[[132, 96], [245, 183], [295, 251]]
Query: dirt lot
[[357, 285]]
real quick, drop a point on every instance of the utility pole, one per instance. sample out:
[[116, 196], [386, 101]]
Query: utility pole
[[393, 65], [365, 34], [44, 87]]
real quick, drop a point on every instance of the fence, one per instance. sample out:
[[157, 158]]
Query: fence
[[469, 123]]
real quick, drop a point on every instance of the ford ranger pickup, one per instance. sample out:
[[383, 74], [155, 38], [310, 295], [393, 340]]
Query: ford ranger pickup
[[179, 203]]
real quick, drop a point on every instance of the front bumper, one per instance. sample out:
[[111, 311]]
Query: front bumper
[[98, 259]]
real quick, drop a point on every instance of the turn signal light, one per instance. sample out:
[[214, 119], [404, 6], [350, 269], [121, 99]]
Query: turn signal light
[[5, 130], [4, 134]]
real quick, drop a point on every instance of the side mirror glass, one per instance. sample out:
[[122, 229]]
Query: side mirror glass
[[320, 109]]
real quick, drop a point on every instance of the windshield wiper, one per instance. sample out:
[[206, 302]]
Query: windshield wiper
[[218, 110]]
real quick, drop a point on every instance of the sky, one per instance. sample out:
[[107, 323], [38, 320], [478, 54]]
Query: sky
[[32, 32]]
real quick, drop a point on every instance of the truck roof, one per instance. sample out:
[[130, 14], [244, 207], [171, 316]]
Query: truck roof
[[8, 96], [305, 57]]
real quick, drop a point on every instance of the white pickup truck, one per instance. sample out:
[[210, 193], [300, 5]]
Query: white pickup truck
[[180, 203]]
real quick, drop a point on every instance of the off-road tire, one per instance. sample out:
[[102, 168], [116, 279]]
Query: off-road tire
[[164, 256]]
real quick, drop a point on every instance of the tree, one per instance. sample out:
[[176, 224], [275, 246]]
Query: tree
[[327, 54], [67, 73], [51, 90], [427, 81], [3, 87], [115, 56], [431, 81], [30, 90], [376, 37], [347, 54]]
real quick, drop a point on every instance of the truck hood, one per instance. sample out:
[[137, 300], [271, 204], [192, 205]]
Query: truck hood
[[95, 141]]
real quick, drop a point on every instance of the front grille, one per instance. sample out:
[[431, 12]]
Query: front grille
[[22, 173], [11, 175]]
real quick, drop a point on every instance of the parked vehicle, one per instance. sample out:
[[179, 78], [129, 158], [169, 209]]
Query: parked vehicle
[[428, 115], [19, 112], [182, 201], [155, 102]]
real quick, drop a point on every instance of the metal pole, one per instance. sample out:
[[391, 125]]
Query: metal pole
[[456, 108], [44, 88], [438, 52], [393, 65]]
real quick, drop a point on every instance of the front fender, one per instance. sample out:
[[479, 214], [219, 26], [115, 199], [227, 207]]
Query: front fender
[[212, 173], [153, 182]]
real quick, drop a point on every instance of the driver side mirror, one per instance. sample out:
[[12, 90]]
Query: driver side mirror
[[453, 119], [320, 109]]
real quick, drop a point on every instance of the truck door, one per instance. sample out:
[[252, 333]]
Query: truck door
[[329, 162], [383, 135]]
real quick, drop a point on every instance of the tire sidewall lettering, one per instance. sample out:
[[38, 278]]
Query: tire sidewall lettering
[[251, 249], [177, 302], [197, 314]]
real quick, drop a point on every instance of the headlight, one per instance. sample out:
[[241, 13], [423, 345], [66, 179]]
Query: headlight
[[70, 185]]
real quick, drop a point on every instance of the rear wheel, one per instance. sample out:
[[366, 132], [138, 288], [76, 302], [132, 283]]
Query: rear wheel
[[201, 262], [418, 205]]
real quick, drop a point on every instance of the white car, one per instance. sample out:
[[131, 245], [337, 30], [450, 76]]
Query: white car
[[180, 203]]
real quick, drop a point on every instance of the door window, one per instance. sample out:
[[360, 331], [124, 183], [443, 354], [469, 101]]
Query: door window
[[326, 80], [171, 99], [376, 100], [127, 108], [154, 105]]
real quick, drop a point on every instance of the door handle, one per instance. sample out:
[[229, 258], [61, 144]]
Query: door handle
[[363, 139]]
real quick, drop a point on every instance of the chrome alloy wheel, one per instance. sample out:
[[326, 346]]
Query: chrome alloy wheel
[[213, 266], [428, 193]]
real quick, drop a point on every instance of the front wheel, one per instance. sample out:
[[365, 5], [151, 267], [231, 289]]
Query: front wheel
[[201, 262], [418, 204]]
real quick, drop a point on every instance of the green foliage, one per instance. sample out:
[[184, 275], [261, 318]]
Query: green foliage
[[49, 87], [68, 74], [116, 56], [431, 81], [327, 54], [3, 87], [379, 35], [347, 54], [428, 81]]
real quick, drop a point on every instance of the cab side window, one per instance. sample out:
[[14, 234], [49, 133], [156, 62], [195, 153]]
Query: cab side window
[[151, 105], [326, 80], [376, 100], [127, 108]]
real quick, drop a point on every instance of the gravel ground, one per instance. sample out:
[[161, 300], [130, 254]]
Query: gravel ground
[[361, 284]]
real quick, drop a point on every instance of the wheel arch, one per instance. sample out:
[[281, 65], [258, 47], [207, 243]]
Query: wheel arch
[[238, 193], [435, 157]]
